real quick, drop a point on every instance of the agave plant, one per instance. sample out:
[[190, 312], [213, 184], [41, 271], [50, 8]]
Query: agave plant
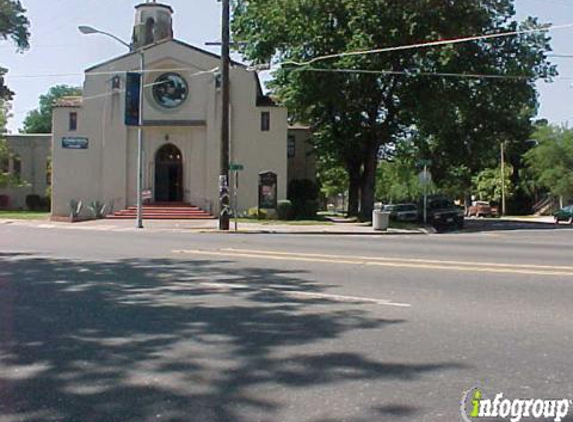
[[75, 209], [97, 209]]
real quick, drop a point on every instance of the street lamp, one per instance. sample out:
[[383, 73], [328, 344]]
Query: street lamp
[[88, 30]]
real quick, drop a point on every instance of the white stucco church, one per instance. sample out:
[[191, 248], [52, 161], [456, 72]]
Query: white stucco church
[[95, 154]]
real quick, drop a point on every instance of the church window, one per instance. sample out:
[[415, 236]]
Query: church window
[[116, 83], [73, 121], [265, 121], [49, 173], [170, 90], [4, 165], [291, 147], [17, 167], [149, 31]]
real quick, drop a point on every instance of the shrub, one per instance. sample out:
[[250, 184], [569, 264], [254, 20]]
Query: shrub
[[284, 210], [97, 209], [301, 190], [75, 209], [305, 210], [46, 203], [303, 195], [257, 213], [33, 202]]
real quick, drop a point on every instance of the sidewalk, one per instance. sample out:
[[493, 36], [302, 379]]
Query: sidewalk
[[211, 226]]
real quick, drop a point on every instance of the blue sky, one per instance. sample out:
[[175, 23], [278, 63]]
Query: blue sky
[[58, 48]]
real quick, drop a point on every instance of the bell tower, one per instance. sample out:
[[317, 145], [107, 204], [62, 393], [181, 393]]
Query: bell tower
[[153, 23]]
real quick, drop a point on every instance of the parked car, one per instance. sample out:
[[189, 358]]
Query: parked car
[[564, 214], [443, 214], [482, 209], [402, 212]]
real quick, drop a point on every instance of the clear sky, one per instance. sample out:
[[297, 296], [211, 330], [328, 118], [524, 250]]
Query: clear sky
[[58, 48]]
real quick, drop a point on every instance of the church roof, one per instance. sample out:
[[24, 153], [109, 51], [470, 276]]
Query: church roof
[[155, 45], [262, 99], [70, 101], [166, 6]]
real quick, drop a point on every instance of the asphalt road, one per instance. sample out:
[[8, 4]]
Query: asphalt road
[[158, 326]]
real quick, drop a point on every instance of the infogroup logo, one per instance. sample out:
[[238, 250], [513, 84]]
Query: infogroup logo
[[476, 406]]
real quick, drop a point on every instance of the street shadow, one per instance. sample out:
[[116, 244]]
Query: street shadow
[[166, 340]]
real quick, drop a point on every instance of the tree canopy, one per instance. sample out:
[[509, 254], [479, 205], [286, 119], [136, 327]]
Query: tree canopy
[[358, 103], [40, 119], [488, 184], [14, 26], [551, 161]]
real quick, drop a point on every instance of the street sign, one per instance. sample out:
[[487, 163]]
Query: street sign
[[147, 195], [425, 177], [423, 163], [236, 167]]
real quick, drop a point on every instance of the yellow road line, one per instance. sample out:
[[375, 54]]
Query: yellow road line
[[385, 262], [404, 260]]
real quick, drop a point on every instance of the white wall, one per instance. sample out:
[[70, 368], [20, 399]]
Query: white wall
[[107, 170], [34, 152]]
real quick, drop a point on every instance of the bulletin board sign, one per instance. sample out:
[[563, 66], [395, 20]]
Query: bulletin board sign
[[75, 143]]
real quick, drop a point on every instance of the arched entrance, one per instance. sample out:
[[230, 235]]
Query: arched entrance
[[168, 174]]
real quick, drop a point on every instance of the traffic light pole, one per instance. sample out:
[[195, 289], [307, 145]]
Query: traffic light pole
[[224, 199]]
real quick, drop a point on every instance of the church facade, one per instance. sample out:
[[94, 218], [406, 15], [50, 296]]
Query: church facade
[[94, 152]]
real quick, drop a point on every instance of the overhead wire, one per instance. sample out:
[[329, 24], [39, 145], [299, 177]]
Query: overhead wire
[[121, 91], [544, 28]]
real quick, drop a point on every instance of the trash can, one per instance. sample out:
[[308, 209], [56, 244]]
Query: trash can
[[380, 220]]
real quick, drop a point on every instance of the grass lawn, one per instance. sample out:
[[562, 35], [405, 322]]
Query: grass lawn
[[24, 215]]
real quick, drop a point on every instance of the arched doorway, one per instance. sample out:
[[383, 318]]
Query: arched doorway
[[168, 174]]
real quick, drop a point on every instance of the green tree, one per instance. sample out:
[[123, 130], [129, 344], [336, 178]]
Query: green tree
[[488, 184], [356, 113], [333, 179], [40, 120], [551, 161], [398, 181], [14, 26], [4, 176]]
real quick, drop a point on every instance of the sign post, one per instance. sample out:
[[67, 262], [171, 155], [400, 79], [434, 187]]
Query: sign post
[[425, 179], [235, 169]]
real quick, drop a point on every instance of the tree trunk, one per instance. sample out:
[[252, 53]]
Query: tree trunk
[[353, 197], [353, 191], [368, 188]]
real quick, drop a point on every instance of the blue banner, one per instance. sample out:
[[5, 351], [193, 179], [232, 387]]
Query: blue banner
[[132, 99]]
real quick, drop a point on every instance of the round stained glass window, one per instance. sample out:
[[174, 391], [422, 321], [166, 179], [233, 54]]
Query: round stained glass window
[[170, 90]]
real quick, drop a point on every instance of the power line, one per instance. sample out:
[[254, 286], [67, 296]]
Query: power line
[[413, 72], [108, 94], [428, 44], [103, 73], [417, 73]]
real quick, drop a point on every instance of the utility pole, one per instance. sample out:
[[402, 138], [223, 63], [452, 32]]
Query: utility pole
[[224, 200], [503, 178]]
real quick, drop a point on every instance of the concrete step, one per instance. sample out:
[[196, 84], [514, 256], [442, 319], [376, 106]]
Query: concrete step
[[170, 211]]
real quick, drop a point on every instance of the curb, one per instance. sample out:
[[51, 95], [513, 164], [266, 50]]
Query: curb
[[312, 233]]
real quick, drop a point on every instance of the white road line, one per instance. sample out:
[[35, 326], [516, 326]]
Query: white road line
[[309, 295]]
